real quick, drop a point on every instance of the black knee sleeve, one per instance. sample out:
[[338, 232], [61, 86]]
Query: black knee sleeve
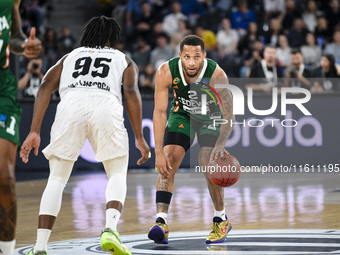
[[163, 197]]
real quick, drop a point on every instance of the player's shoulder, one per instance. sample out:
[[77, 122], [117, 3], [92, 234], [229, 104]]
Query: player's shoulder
[[16, 3], [211, 62], [173, 60], [163, 74], [164, 69], [219, 72]]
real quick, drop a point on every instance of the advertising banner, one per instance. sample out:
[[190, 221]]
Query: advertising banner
[[291, 139]]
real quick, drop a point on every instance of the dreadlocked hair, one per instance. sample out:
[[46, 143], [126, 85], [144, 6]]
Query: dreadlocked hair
[[100, 30]]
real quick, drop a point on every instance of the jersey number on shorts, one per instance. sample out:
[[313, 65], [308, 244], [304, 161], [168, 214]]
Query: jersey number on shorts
[[82, 67], [10, 130]]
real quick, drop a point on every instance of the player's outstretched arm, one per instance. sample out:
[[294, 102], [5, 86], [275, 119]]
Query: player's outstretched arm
[[163, 81], [49, 84], [227, 112], [133, 104], [31, 48]]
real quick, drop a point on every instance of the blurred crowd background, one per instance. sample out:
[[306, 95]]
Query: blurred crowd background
[[298, 41]]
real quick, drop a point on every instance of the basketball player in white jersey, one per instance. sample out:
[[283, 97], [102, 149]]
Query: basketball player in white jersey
[[89, 81]]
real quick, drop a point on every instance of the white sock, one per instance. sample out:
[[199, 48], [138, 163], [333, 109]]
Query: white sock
[[7, 247], [220, 214], [164, 216], [112, 218], [43, 234]]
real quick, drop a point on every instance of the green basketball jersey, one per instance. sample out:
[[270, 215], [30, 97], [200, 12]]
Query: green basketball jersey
[[188, 97], [8, 84], [5, 29]]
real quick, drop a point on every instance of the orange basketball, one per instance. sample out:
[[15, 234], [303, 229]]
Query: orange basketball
[[224, 171]]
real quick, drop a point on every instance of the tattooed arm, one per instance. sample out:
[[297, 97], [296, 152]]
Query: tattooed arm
[[163, 81], [30, 48], [219, 77]]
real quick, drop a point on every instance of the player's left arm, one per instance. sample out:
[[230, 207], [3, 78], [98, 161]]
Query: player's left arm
[[18, 44], [48, 85], [220, 77]]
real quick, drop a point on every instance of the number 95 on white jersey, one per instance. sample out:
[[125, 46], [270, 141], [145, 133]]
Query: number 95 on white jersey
[[93, 69]]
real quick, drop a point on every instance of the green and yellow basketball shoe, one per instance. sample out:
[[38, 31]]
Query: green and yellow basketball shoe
[[110, 242]]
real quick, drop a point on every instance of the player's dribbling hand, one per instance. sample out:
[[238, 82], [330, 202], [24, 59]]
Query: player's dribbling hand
[[162, 163], [32, 141], [144, 150], [32, 46], [218, 150]]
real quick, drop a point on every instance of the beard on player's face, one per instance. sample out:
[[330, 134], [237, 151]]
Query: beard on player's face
[[190, 74]]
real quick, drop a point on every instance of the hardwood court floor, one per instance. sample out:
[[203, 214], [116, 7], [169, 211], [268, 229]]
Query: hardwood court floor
[[257, 201]]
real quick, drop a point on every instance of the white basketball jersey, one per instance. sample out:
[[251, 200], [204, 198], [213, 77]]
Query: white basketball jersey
[[93, 69]]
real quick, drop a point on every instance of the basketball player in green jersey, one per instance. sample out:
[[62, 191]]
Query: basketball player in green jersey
[[174, 138], [11, 39]]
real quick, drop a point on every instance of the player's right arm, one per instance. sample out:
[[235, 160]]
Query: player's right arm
[[133, 105], [49, 84], [163, 82]]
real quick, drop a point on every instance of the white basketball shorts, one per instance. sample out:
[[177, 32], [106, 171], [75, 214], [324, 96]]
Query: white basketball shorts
[[97, 116]]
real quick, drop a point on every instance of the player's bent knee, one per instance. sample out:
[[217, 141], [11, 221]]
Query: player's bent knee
[[174, 163], [58, 181]]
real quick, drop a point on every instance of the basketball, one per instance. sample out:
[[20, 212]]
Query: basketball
[[224, 171]]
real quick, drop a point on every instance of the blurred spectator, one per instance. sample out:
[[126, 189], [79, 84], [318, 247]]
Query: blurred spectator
[[213, 15], [267, 70], [273, 8], [30, 82], [133, 12], [297, 35], [316, 88], [311, 52], [297, 75], [288, 16], [242, 16], [227, 39], [163, 52], [120, 14], [224, 5], [272, 36], [141, 55], [161, 8], [334, 48], [170, 23], [248, 40], [207, 36], [333, 14], [50, 48], [33, 15], [156, 30], [106, 7], [66, 41], [328, 73], [283, 52], [192, 9], [177, 37], [322, 32], [227, 42], [147, 80], [253, 58], [311, 14], [145, 21]]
